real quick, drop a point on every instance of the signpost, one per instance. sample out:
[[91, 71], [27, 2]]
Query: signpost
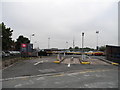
[[82, 45], [26, 50]]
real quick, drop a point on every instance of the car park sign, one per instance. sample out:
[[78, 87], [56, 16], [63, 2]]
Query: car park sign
[[23, 45]]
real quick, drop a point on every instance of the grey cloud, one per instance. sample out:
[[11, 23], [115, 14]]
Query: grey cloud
[[62, 20]]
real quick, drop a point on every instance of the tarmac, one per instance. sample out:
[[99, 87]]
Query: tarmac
[[40, 72]]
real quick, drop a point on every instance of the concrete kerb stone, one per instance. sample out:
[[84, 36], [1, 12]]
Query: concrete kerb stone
[[110, 62], [8, 62]]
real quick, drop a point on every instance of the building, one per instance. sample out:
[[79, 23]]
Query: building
[[113, 53]]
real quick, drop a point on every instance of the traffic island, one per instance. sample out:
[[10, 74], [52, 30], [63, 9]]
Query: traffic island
[[115, 63], [58, 62], [85, 62], [8, 62]]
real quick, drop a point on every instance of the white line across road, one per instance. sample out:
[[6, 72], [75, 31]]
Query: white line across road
[[57, 74], [38, 63], [47, 70]]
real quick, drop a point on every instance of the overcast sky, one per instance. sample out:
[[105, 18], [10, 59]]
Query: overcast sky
[[63, 20]]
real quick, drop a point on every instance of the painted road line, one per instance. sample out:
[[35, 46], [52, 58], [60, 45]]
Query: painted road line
[[18, 85], [58, 75], [95, 71], [38, 63], [68, 65], [24, 77], [30, 82], [115, 63], [55, 74], [47, 70]]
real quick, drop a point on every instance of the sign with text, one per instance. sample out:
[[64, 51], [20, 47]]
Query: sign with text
[[23, 45]]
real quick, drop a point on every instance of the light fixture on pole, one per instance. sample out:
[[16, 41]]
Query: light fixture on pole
[[66, 44], [48, 42], [31, 36], [73, 43], [82, 45], [36, 45], [97, 32]]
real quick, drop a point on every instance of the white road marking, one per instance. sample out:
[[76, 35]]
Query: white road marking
[[30, 82], [71, 74], [86, 75], [18, 85], [40, 78], [47, 70], [57, 82], [38, 63], [21, 77], [86, 85], [69, 65]]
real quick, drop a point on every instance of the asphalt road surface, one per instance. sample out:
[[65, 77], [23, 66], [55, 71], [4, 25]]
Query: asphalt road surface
[[43, 73]]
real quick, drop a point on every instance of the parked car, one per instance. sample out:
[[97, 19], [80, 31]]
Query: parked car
[[13, 53], [96, 53], [5, 54], [89, 53]]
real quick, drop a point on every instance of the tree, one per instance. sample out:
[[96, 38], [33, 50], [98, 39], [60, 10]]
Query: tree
[[21, 39], [88, 49], [70, 48], [6, 37], [76, 47], [102, 48]]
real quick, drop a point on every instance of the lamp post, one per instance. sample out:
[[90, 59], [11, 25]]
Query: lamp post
[[82, 45], [31, 36], [73, 43], [97, 32], [48, 42], [36, 45], [66, 44]]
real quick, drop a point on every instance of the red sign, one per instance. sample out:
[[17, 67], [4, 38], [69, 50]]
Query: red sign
[[24, 45]]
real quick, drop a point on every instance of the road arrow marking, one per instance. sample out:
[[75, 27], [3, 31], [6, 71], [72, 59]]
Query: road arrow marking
[[69, 65], [38, 63]]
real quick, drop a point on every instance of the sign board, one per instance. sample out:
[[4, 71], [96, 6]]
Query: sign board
[[24, 45]]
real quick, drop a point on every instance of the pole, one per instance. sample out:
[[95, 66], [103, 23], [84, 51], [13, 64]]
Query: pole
[[82, 45], [30, 38], [97, 32], [31, 35], [66, 44], [73, 43], [48, 42]]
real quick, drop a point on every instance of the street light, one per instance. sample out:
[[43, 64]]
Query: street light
[[97, 32], [36, 44], [48, 42], [31, 36], [66, 44], [73, 43], [82, 45]]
